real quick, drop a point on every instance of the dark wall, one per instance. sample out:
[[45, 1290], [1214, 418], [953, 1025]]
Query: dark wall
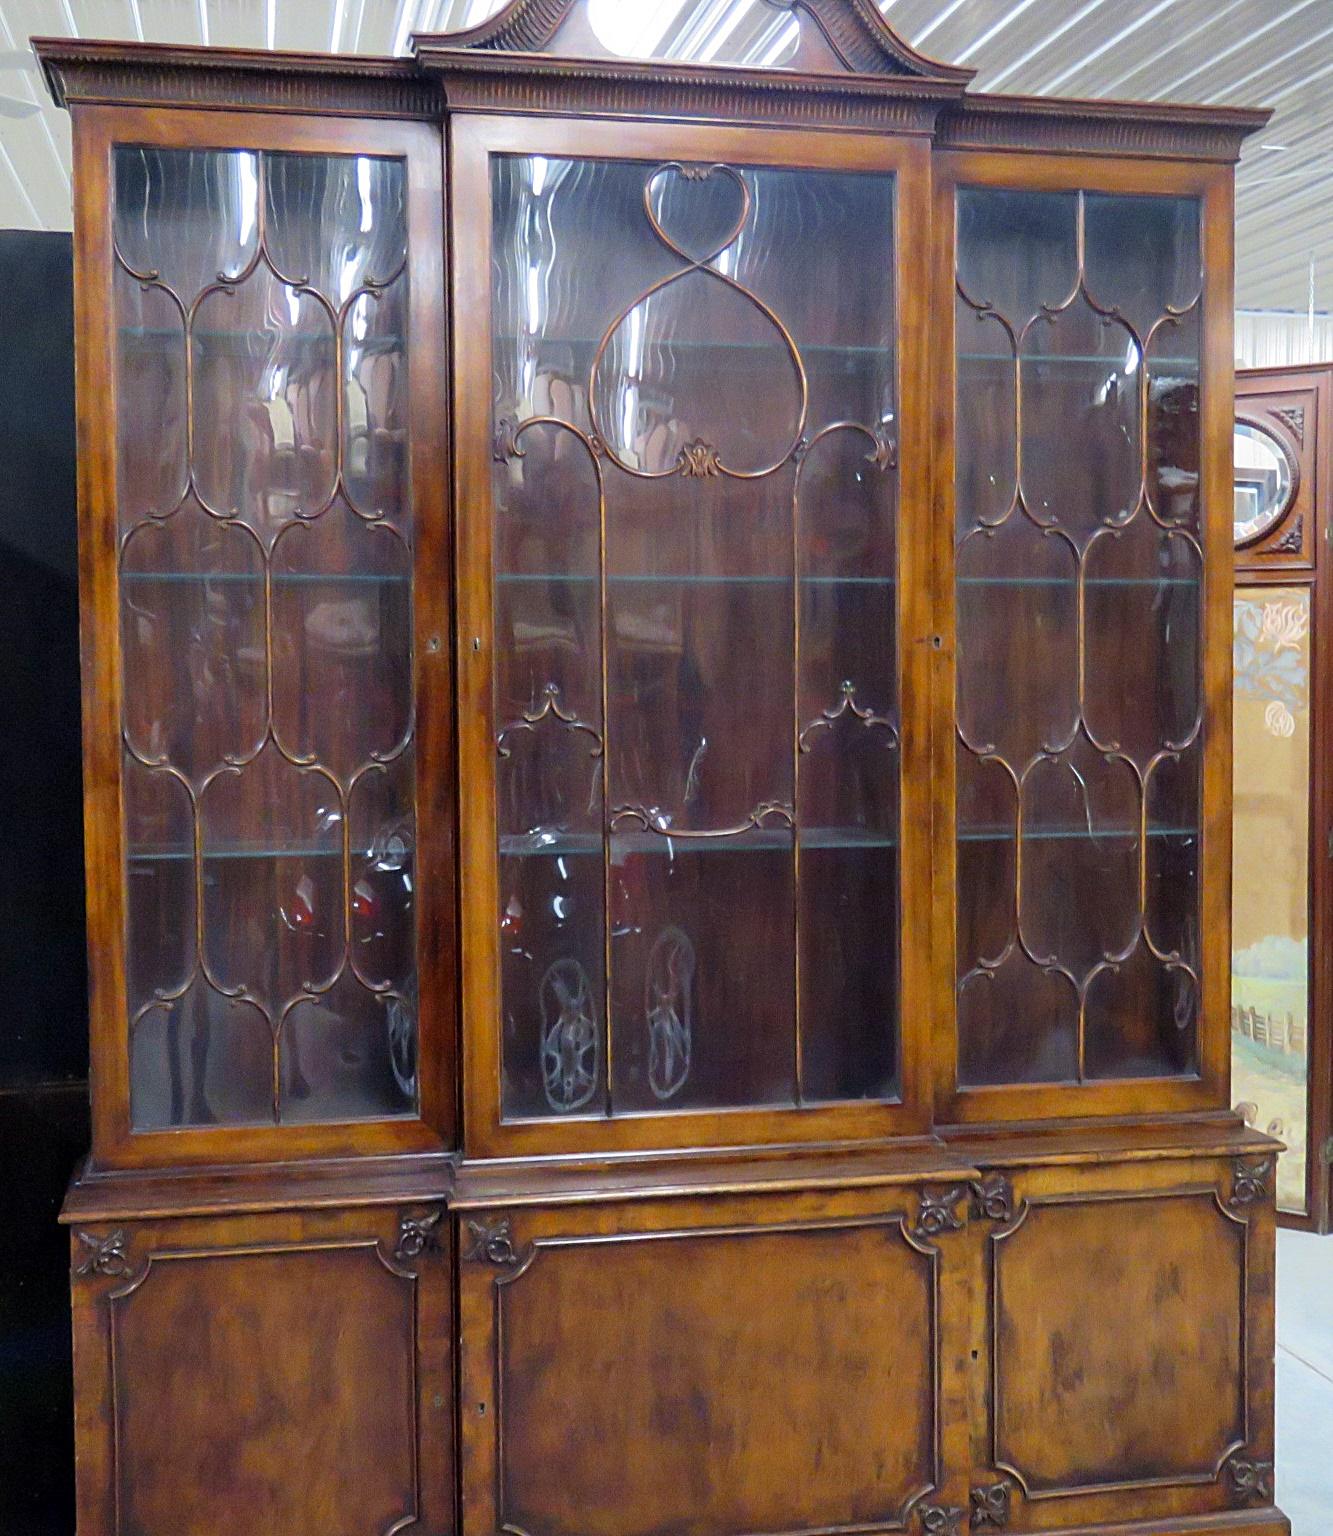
[[43, 1035]]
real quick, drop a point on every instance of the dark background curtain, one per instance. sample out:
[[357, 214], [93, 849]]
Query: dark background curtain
[[43, 1029]]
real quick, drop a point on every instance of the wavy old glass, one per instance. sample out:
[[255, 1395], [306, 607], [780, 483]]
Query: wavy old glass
[[1078, 570], [696, 658], [266, 600]]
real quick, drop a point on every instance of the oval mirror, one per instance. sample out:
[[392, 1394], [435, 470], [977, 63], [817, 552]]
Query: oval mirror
[[1265, 481]]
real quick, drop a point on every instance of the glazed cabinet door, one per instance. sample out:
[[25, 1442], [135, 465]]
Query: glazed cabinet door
[[265, 573], [1087, 513], [249, 1374], [687, 609], [787, 1364], [1125, 1328]]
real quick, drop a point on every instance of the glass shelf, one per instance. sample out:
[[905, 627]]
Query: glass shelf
[[506, 578], [292, 851], [280, 578], [856, 350], [692, 579], [637, 840], [246, 341], [1069, 580], [1123, 835], [1074, 360]]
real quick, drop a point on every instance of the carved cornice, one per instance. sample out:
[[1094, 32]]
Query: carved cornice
[[92, 72], [539, 84], [859, 37], [890, 90], [1058, 126]]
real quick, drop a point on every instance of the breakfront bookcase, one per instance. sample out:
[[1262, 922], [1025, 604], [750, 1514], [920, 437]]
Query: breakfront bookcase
[[657, 715]]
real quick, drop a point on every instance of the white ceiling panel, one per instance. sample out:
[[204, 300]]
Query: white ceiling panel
[[1252, 52]]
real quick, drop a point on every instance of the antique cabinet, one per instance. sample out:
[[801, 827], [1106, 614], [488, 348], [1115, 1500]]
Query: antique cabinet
[[1282, 1070], [657, 717]]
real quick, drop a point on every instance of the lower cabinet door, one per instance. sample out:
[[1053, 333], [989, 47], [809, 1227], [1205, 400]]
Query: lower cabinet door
[[706, 1366], [256, 1375], [1126, 1324]]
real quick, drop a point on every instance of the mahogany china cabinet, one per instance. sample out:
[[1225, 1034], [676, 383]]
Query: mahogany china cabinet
[[1282, 840], [658, 731]]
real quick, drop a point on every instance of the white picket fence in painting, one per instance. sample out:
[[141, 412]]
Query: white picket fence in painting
[[1278, 1034]]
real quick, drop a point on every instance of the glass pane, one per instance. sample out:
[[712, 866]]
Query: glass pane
[[1264, 481], [1078, 577], [266, 624], [1270, 962], [696, 673]]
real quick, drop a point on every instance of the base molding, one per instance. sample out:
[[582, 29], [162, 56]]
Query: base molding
[[1266, 1521]]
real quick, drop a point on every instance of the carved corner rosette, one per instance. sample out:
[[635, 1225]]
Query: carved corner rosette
[[993, 1199], [990, 1505], [1250, 1184], [1250, 1481], [107, 1256], [417, 1235], [490, 1240], [1292, 541], [938, 1212], [1293, 417], [941, 1519]]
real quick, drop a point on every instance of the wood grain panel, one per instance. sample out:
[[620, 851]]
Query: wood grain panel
[[287, 1372], [229, 1400], [715, 1379], [1119, 1342]]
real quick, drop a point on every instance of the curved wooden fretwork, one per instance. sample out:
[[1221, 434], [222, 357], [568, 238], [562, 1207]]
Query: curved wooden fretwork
[[799, 441], [265, 538], [1141, 767]]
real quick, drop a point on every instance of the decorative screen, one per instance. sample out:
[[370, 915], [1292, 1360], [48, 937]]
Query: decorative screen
[[265, 529], [1270, 919], [695, 682], [1079, 575]]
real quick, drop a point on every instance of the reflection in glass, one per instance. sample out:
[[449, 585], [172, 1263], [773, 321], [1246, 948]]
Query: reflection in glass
[[1270, 962], [696, 657], [1078, 572], [265, 572], [1264, 481]]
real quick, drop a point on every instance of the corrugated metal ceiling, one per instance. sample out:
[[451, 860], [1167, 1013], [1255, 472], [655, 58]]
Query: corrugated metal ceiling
[[1276, 53]]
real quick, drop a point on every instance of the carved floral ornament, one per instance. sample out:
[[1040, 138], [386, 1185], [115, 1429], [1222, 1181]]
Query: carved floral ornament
[[490, 1240], [939, 1211], [416, 1235], [1251, 1480], [990, 1505], [107, 1256], [1250, 1183]]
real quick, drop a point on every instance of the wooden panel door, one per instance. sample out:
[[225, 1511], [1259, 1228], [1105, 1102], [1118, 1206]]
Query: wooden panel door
[[1282, 903], [782, 1364], [243, 1375], [1125, 1324]]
